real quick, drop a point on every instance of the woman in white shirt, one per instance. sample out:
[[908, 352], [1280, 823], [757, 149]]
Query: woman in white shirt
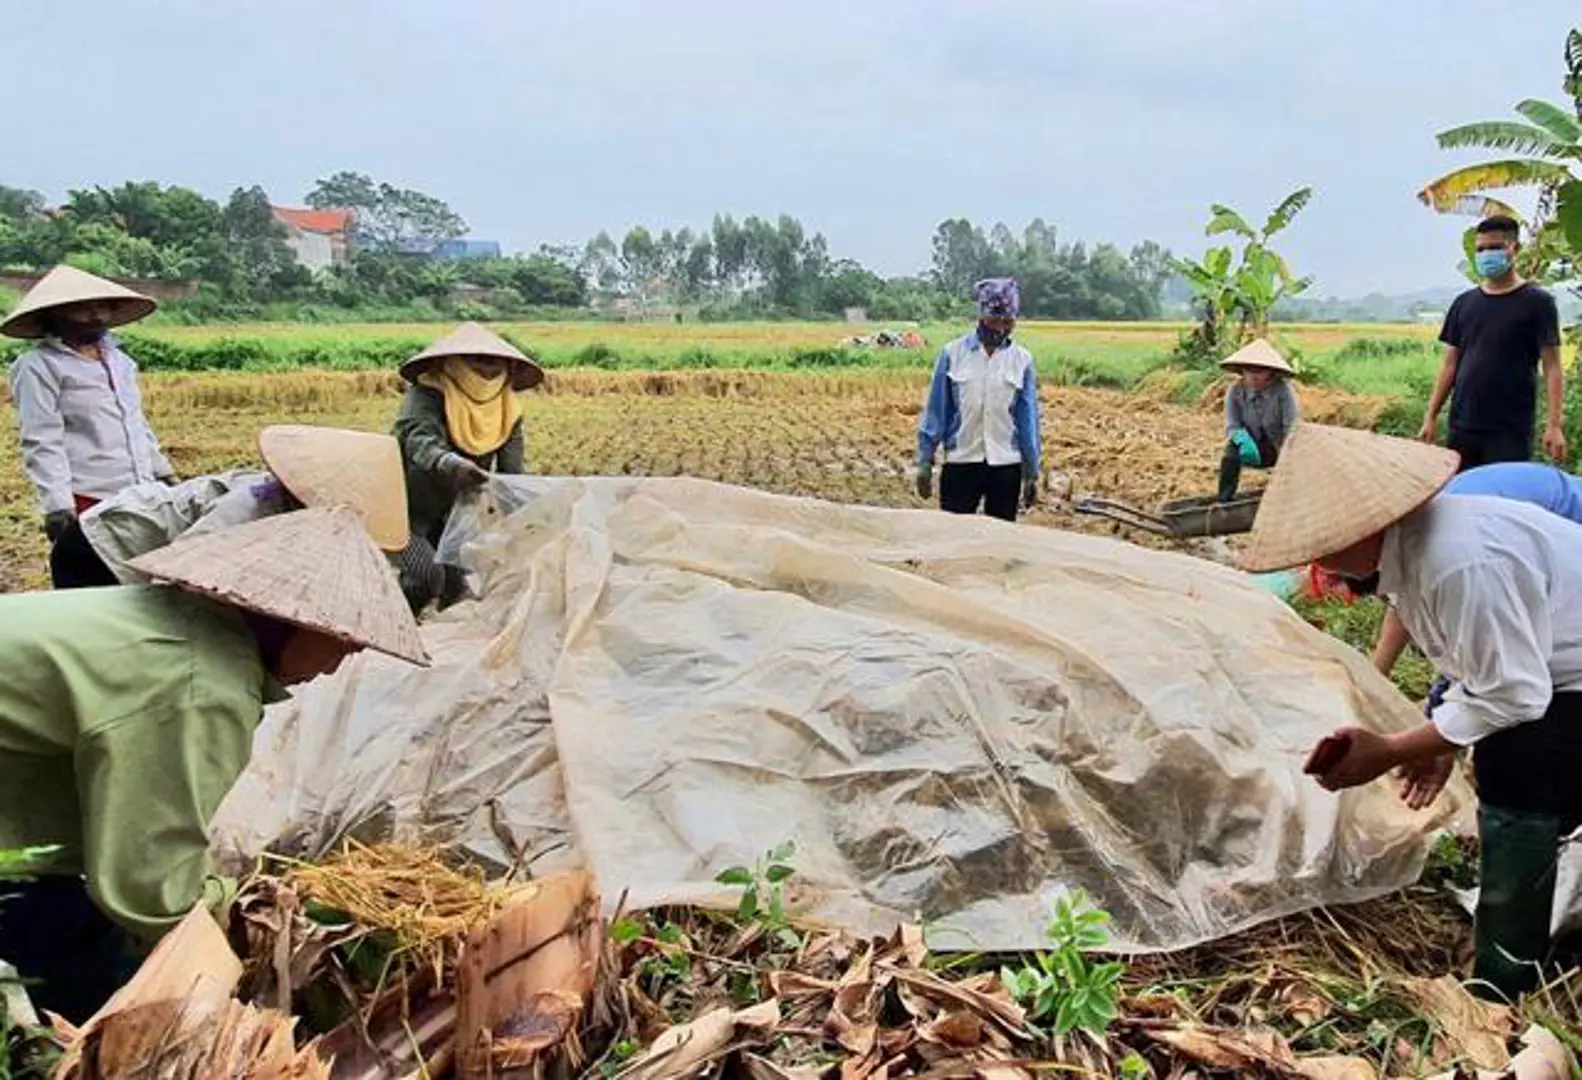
[[983, 409], [84, 435]]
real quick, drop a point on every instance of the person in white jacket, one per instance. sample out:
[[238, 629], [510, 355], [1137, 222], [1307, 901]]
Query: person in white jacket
[[84, 435]]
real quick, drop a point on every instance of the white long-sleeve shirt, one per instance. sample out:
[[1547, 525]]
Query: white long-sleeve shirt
[[982, 408], [1491, 591], [82, 423]]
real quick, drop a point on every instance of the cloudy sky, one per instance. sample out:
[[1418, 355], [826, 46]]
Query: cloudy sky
[[871, 120]]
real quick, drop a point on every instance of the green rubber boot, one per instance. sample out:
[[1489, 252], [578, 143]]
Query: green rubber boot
[[1519, 856]]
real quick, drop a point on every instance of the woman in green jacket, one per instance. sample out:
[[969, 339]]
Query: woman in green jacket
[[127, 713], [460, 420]]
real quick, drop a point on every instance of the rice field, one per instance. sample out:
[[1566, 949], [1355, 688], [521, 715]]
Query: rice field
[[1397, 360], [842, 436], [771, 405]]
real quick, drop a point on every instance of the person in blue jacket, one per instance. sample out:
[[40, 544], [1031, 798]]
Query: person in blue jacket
[[982, 409], [1545, 486]]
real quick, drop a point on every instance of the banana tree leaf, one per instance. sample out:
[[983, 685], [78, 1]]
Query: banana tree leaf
[[1224, 220], [1446, 193], [1289, 207], [1573, 82], [1469, 247], [1507, 135], [1557, 122], [1568, 215]]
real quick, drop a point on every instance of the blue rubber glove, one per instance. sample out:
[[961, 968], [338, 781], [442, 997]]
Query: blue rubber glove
[[1247, 447]]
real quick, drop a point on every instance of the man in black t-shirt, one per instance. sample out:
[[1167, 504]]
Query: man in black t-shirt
[[1495, 338]]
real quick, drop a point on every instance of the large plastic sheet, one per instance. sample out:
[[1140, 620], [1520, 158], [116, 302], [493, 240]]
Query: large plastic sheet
[[955, 719]]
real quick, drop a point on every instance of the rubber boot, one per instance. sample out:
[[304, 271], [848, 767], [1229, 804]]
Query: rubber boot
[[1229, 473], [1519, 857]]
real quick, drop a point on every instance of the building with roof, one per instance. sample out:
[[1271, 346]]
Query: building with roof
[[319, 239], [466, 248]]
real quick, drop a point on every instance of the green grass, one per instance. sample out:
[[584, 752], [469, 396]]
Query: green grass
[[1357, 624]]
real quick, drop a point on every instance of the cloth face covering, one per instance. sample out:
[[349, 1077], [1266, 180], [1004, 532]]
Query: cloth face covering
[[480, 412]]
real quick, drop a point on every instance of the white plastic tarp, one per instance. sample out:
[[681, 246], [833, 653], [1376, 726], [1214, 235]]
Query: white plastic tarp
[[954, 719]]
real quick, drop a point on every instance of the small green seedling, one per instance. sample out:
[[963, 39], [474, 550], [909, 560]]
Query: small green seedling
[[1060, 988], [763, 891]]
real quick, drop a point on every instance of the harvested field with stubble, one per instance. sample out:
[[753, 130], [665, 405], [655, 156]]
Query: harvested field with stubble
[[847, 437]]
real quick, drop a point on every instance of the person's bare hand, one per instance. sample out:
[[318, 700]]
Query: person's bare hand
[[1422, 781], [1429, 432], [1555, 445], [1369, 756]]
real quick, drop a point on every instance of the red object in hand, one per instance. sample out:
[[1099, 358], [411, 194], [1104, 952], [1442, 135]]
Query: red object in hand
[[1327, 754]]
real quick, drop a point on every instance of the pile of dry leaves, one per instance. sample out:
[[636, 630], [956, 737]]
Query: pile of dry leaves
[[388, 963]]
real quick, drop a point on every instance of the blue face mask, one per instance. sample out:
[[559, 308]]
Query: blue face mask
[[1496, 262]]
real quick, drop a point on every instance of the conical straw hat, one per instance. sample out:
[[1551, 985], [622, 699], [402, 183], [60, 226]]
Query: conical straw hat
[[470, 339], [325, 466], [313, 568], [1258, 353], [68, 285], [1335, 486]]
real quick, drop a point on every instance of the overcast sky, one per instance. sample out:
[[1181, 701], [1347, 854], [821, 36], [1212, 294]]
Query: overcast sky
[[871, 120]]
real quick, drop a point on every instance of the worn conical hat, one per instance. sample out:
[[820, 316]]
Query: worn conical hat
[[68, 285], [312, 568], [1258, 354], [324, 466], [1335, 486], [470, 339]]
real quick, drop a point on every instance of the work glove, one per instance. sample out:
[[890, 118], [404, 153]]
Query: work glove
[[925, 480], [1436, 696], [460, 473], [1246, 447], [57, 522], [1029, 491]]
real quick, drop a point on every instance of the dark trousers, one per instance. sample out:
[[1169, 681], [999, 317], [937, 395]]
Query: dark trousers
[[73, 564], [1482, 448], [1528, 798], [70, 953], [1230, 465], [997, 488]]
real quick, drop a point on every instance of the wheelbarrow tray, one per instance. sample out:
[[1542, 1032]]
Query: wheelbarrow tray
[[1199, 516]]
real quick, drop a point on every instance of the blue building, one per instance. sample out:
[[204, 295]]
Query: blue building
[[463, 248]]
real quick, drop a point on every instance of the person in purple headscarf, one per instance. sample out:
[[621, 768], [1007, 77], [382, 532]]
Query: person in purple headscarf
[[982, 409]]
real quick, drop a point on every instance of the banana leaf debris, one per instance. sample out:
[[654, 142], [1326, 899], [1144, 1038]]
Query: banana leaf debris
[[393, 961]]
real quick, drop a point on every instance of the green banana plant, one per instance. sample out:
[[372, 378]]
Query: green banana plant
[[1546, 155], [1246, 294]]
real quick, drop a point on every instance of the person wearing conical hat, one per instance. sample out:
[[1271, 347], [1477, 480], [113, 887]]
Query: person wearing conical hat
[[1545, 486], [84, 435], [459, 421], [1260, 411], [304, 466], [1491, 591], [127, 713]]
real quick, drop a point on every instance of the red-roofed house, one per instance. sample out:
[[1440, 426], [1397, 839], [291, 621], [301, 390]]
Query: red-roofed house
[[319, 238]]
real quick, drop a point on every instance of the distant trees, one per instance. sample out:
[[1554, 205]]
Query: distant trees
[[388, 217], [1059, 281], [748, 267]]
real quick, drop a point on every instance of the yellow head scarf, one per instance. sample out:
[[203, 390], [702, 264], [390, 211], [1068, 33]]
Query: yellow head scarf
[[479, 412]]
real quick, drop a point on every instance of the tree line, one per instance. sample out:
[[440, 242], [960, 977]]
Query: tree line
[[754, 267]]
